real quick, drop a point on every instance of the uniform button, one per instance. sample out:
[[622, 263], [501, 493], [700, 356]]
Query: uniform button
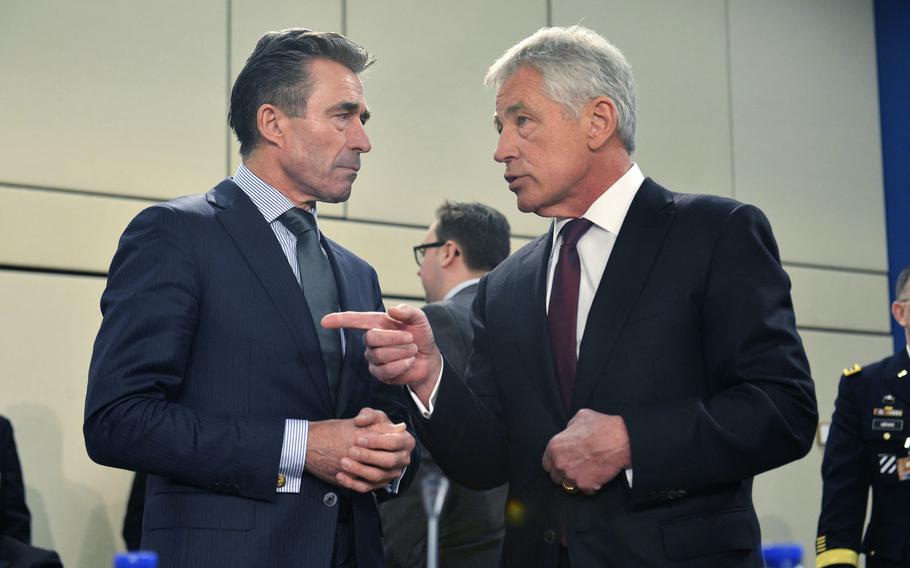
[[549, 536], [281, 480], [329, 499], [886, 435]]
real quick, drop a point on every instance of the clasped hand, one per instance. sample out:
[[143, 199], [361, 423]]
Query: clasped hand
[[590, 452], [364, 453]]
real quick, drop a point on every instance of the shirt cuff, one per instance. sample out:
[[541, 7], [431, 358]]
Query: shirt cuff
[[392, 487], [293, 456], [424, 411]]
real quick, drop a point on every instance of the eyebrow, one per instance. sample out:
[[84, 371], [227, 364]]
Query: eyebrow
[[350, 106], [512, 109]]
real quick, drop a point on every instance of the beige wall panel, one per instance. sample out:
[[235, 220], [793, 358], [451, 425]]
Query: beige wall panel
[[788, 499], [806, 126], [49, 324], [122, 97], [87, 228], [678, 52], [431, 129], [388, 249], [840, 300], [252, 18]]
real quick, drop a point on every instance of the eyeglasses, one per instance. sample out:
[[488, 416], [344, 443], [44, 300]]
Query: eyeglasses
[[420, 251]]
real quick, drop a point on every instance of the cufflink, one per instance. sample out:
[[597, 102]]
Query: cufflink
[[281, 480]]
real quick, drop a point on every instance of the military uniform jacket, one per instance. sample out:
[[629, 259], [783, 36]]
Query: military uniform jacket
[[867, 448]]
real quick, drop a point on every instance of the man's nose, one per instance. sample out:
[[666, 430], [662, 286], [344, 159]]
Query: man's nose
[[505, 148], [358, 139]]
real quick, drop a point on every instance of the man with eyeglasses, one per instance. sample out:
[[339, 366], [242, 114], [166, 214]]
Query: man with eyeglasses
[[466, 241], [869, 446]]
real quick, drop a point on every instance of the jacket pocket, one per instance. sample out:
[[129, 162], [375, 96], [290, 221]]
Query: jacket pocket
[[192, 510], [712, 533]]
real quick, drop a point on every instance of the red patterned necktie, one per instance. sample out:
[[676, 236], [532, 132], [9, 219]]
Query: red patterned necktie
[[562, 315]]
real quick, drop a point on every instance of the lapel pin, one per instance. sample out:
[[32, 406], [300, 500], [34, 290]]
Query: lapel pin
[[888, 399]]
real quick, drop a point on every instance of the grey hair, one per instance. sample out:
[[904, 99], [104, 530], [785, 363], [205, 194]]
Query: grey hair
[[900, 286], [577, 65]]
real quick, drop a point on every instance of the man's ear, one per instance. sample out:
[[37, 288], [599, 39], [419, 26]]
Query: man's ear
[[899, 311], [602, 116], [448, 252], [270, 121]]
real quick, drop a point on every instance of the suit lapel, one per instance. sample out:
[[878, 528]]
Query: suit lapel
[[257, 243], [353, 342], [530, 289], [637, 246]]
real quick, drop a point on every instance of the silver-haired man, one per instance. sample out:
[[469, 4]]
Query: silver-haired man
[[634, 367]]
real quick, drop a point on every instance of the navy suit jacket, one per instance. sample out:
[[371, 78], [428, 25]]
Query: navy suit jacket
[[205, 348], [691, 338]]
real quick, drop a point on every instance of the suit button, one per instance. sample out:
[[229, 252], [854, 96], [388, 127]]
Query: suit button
[[549, 536], [329, 499], [281, 480]]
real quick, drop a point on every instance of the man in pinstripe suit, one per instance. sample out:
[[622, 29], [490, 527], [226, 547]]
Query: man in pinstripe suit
[[266, 441]]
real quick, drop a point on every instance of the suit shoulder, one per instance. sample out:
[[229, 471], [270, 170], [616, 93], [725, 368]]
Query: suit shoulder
[[438, 310], [506, 266]]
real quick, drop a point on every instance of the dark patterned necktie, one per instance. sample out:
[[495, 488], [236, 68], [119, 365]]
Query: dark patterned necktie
[[318, 283], [562, 315]]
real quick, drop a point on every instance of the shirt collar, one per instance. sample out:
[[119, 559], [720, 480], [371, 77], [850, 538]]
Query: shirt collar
[[459, 287], [609, 210], [270, 202]]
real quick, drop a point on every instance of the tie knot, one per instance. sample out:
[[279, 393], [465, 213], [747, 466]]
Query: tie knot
[[298, 221], [573, 230]]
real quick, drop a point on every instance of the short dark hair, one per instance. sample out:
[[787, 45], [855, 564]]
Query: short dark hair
[[901, 284], [277, 72], [481, 231]]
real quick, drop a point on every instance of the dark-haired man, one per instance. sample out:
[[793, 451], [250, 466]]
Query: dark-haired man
[[265, 440], [869, 447], [466, 241]]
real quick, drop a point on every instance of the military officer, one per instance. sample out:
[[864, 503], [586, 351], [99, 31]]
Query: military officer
[[869, 446]]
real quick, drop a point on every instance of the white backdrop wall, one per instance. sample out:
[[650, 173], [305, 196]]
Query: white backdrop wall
[[109, 105]]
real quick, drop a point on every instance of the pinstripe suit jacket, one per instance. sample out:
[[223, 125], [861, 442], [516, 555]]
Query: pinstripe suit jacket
[[206, 347]]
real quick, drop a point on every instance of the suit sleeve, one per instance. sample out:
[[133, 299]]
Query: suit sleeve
[[846, 480], [140, 360], [15, 519], [467, 428], [759, 409]]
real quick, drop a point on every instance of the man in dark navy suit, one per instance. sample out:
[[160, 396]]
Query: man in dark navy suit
[[634, 367], [265, 439], [869, 447]]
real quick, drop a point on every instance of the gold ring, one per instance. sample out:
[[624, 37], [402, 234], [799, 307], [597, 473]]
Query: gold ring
[[568, 487]]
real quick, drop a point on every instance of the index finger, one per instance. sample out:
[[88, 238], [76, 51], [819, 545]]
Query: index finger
[[359, 320]]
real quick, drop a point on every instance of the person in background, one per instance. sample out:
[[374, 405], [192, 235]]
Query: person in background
[[466, 241], [869, 447], [265, 440], [634, 367], [15, 519]]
